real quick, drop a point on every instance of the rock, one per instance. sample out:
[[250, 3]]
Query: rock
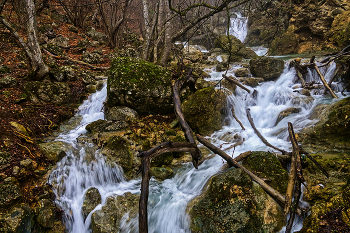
[[73, 28], [140, 85], [192, 53], [88, 78], [233, 203], [242, 72], [220, 67], [54, 49], [252, 82], [268, 68], [64, 73], [19, 219], [266, 165], [203, 110], [60, 41], [92, 198], [162, 173], [238, 49], [340, 29], [286, 113], [58, 227], [105, 126], [118, 150], [305, 92], [20, 128], [164, 159], [8, 81], [5, 159], [121, 113], [91, 58], [9, 194], [332, 130], [54, 150], [99, 36], [288, 43], [90, 88], [46, 213], [41, 92], [108, 219], [5, 69], [27, 164], [303, 101]]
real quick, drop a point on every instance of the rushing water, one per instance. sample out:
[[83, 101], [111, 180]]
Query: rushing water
[[238, 26], [85, 167]]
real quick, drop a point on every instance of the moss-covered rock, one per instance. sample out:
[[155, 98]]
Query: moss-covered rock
[[162, 173], [105, 126], [5, 159], [91, 58], [340, 30], [332, 130], [287, 112], [46, 213], [54, 150], [108, 219], [18, 219], [118, 150], [8, 81], [235, 46], [266, 165], [9, 194], [120, 113], [204, 110], [63, 73], [268, 68], [5, 69], [40, 92], [233, 203], [92, 198], [286, 44], [163, 159], [140, 85]]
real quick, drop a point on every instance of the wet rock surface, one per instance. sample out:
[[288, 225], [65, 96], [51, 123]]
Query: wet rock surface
[[92, 198], [268, 68]]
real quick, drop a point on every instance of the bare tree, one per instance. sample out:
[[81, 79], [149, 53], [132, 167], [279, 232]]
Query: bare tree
[[78, 10], [31, 47]]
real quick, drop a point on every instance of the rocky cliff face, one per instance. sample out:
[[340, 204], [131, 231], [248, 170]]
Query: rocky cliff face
[[302, 27]]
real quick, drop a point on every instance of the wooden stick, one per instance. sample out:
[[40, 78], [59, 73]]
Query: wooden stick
[[292, 173], [234, 116], [292, 216], [185, 127], [332, 79], [147, 157], [240, 142], [260, 136], [298, 71], [324, 82], [302, 151], [234, 81], [272, 192]]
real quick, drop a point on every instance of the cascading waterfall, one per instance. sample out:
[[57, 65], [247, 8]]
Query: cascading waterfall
[[238, 26], [84, 167]]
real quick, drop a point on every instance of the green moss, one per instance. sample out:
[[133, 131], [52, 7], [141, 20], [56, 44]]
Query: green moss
[[118, 150], [285, 44], [203, 110], [266, 165]]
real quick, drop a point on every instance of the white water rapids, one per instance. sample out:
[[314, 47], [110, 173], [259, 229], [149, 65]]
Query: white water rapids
[[84, 167]]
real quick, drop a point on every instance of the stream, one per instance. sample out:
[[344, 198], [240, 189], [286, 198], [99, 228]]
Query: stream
[[84, 167]]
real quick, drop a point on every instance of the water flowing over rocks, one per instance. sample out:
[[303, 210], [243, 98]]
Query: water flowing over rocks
[[92, 198], [54, 150], [235, 46], [268, 68]]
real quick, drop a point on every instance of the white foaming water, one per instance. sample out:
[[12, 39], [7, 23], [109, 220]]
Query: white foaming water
[[84, 167], [238, 26]]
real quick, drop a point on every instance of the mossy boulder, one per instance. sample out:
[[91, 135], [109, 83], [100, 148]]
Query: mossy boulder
[[105, 126], [162, 173], [163, 159], [92, 198], [54, 150], [266, 165], [108, 219], [5, 159], [63, 73], [283, 114], [332, 131], [204, 110], [140, 85], [91, 58], [268, 68], [18, 219], [46, 213], [235, 46], [233, 203], [340, 30], [120, 113], [8, 81], [56, 93], [288, 43], [118, 150], [9, 194]]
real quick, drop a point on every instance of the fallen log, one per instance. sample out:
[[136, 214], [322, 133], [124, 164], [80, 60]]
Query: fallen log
[[260, 136], [332, 79], [196, 155], [292, 173], [302, 151], [297, 68], [296, 203], [324, 82], [272, 192], [234, 81], [239, 122], [147, 157]]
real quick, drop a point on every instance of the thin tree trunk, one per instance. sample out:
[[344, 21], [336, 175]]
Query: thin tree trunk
[[167, 36], [324, 82]]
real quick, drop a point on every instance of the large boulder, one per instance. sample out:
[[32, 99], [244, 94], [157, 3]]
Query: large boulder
[[234, 203], [92, 198], [60, 41], [283, 114], [8, 81], [204, 110], [105, 126], [98, 36], [162, 173], [140, 85], [54, 150], [119, 113], [340, 30], [46, 213], [9, 194], [268, 68], [18, 219], [108, 219], [56, 93], [64, 73], [192, 53], [91, 58], [332, 131], [235, 46]]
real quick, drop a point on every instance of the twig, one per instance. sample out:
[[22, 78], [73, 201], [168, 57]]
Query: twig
[[27, 150]]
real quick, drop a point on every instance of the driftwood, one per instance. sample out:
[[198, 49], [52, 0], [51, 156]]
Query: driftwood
[[296, 202], [234, 81], [332, 79], [260, 136], [324, 82], [292, 173], [64, 57], [196, 155], [147, 157], [302, 151], [239, 122], [296, 65], [329, 59], [240, 142], [272, 192]]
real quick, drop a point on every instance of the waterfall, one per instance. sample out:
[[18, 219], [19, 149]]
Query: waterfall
[[238, 26]]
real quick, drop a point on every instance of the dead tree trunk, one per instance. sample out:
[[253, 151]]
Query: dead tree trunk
[[324, 82], [232, 80], [147, 157]]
